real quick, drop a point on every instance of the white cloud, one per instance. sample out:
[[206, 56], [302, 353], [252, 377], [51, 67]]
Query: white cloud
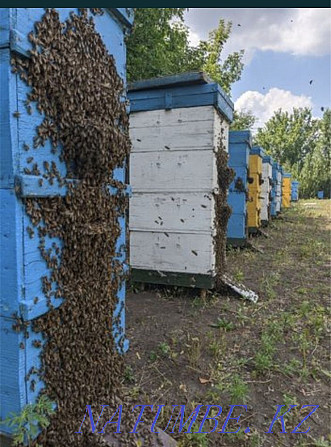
[[300, 31], [264, 106]]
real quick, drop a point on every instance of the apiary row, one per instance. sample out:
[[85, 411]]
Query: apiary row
[[194, 185]]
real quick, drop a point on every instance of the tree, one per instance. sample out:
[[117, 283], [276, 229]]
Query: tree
[[159, 45], [243, 120], [316, 171], [289, 137]]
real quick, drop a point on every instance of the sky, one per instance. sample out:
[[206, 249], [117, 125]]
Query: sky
[[285, 49]]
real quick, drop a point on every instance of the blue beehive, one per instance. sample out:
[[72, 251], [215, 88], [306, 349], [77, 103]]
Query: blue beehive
[[295, 191], [320, 194], [240, 143], [21, 264]]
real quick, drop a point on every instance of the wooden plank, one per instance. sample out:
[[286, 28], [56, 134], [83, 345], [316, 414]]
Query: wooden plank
[[187, 253], [173, 278], [193, 77], [187, 136], [185, 212], [177, 171], [174, 117], [8, 125], [5, 21]]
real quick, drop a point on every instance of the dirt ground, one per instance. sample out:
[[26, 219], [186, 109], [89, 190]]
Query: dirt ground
[[185, 350]]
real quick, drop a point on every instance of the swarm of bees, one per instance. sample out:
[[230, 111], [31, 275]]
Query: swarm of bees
[[225, 175], [75, 85]]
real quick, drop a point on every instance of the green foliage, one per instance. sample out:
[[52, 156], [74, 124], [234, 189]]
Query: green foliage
[[289, 137], [159, 45], [315, 174], [193, 439], [222, 323], [33, 417], [302, 145], [238, 390], [243, 120]]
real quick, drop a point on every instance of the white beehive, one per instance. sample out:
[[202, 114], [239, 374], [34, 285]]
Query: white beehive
[[177, 126], [266, 189]]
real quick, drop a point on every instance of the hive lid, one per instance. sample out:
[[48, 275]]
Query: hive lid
[[257, 150], [124, 15], [287, 174], [268, 159], [191, 89], [240, 136]]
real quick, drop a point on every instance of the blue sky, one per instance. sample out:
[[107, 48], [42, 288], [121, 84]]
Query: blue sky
[[284, 50]]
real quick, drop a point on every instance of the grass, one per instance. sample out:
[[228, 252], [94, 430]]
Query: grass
[[275, 351]]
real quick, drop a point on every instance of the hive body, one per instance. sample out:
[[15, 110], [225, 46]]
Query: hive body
[[176, 126], [254, 189], [320, 195], [294, 191], [273, 195], [240, 143], [279, 188], [22, 266], [266, 189], [286, 190]]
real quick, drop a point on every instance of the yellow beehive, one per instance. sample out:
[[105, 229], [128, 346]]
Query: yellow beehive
[[286, 190], [254, 189]]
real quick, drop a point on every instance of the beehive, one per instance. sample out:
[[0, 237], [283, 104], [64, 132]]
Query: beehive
[[240, 144], [286, 190], [178, 172], [254, 189], [279, 188], [295, 191], [25, 178], [273, 207], [266, 189], [320, 195]]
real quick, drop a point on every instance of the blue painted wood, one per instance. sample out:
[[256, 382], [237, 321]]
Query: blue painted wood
[[240, 143], [287, 175], [193, 89], [320, 194], [295, 191], [21, 264], [257, 150]]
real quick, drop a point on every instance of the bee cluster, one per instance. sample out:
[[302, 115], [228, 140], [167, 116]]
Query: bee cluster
[[75, 85], [225, 175]]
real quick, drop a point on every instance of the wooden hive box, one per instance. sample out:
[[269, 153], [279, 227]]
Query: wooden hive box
[[178, 126], [295, 191], [279, 171], [22, 266], [266, 189], [286, 190], [254, 189], [240, 144]]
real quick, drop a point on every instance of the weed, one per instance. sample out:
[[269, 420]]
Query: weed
[[239, 275], [194, 439], [164, 349], [32, 419], [153, 356], [128, 374], [222, 323], [238, 390], [194, 351]]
